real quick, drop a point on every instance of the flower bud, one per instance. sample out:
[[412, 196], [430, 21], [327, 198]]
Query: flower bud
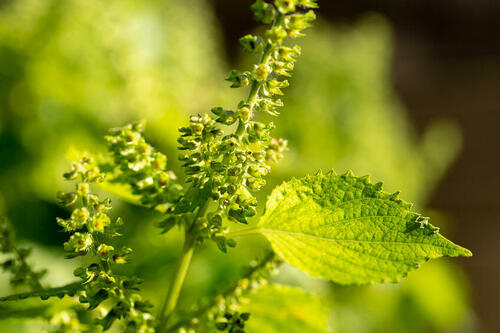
[[82, 189], [78, 242], [80, 216], [254, 183], [66, 199], [103, 250], [285, 6], [99, 222], [197, 129], [227, 118], [244, 113], [276, 35], [254, 170], [261, 72], [263, 12], [238, 79], [160, 161], [122, 256], [251, 44], [234, 171]]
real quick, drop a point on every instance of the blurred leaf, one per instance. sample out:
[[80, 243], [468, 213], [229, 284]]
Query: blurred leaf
[[432, 299], [278, 309], [354, 119]]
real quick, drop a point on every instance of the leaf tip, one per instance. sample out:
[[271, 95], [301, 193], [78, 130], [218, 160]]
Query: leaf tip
[[464, 252]]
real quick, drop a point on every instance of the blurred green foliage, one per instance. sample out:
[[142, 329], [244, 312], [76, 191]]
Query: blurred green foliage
[[298, 311], [69, 70], [342, 113]]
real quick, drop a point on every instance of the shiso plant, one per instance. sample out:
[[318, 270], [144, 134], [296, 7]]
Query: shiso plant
[[338, 227]]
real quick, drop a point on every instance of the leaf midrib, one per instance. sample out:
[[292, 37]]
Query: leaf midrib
[[264, 230]]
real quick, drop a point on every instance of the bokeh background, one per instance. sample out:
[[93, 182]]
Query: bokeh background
[[406, 91]]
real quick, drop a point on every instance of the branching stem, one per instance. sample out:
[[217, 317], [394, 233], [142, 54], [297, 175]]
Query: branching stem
[[175, 287], [45, 293], [180, 273]]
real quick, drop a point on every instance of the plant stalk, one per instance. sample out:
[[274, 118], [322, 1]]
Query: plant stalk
[[180, 273], [175, 287], [200, 312], [71, 288]]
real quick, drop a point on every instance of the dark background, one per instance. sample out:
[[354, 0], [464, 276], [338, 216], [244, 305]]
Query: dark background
[[446, 63]]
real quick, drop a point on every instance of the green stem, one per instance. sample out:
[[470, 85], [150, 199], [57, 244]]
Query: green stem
[[180, 273], [175, 287], [256, 85], [241, 128], [69, 289]]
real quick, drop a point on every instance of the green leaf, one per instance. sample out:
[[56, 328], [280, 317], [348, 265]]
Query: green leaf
[[277, 309], [345, 229]]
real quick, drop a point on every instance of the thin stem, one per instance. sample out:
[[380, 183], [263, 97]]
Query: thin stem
[[175, 287], [241, 128], [68, 289], [252, 95], [256, 85], [244, 232], [201, 212], [180, 273]]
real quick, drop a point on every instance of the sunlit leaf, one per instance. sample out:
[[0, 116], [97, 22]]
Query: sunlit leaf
[[346, 229]]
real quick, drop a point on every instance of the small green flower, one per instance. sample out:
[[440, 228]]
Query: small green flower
[[251, 44], [82, 189], [80, 216], [78, 242], [104, 250], [98, 222], [276, 34], [263, 12], [261, 72], [286, 6]]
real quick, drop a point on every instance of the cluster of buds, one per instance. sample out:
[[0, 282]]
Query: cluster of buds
[[227, 168], [142, 167], [219, 166], [16, 264], [233, 322], [225, 310], [120, 291], [87, 224], [210, 227], [289, 19], [89, 216], [202, 148]]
